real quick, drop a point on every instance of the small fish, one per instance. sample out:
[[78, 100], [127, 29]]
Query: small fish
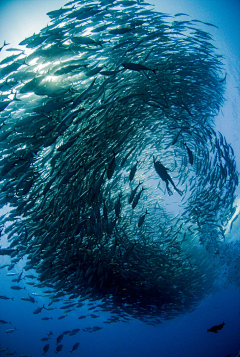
[[75, 347], [74, 331], [93, 316], [59, 338], [16, 287], [7, 251], [46, 318], [137, 67], [176, 138], [127, 156], [4, 322], [133, 193], [46, 348], [132, 172], [137, 198], [38, 310], [111, 167], [59, 349], [66, 332], [19, 277], [11, 330], [3, 297], [26, 299], [61, 317], [30, 276], [117, 207], [190, 154], [121, 31], [142, 219], [216, 328]]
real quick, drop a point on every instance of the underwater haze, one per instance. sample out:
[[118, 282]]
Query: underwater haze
[[119, 178]]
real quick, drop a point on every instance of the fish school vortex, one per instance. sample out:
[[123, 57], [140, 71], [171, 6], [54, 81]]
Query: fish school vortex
[[120, 189]]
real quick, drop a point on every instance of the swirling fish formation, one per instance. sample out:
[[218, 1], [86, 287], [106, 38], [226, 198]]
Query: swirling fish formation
[[118, 185]]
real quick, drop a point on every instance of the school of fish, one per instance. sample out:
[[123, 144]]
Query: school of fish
[[118, 185]]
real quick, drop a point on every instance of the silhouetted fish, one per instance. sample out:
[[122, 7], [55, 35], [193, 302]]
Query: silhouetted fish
[[216, 328]]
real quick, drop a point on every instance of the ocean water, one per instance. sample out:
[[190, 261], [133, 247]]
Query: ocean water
[[103, 332]]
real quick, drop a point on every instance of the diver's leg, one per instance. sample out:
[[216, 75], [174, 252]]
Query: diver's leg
[[168, 189], [180, 192]]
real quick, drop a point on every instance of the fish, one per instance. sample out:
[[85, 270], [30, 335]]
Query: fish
[[11, 330], [58, 349], [30, 299], [4, 322], [30, 276], [46, 348], [59, 338], [7, 251], [137, 198], [137, 67], [75, 347], [4, 297], [117, 206], [142, 219], [100, 93], [190, 154], [176, 137], [126, 157], [38, 310], [132, 172], [66, 332], [216, 328], [111, 166], [62, 317], [133, 193], [16, 287]]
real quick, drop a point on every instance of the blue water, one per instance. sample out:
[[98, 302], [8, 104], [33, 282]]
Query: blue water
[[183, 336]]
